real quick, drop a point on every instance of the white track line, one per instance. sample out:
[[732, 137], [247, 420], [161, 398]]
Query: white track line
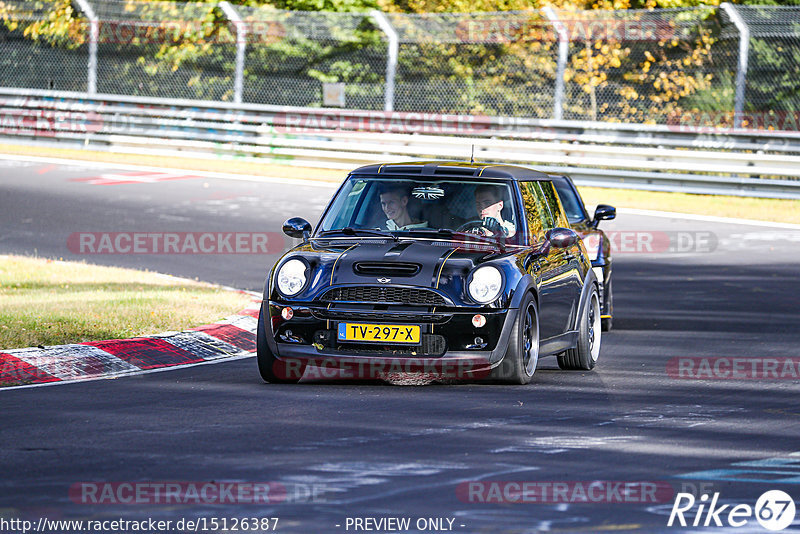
[[708, 218], [320, 183], [172, 170]]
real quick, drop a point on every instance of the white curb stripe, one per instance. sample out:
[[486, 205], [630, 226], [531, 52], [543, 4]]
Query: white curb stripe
[[139, 372], [70, 362], [245, 322], [202, 345]]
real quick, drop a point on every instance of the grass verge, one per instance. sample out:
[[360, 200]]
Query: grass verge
[[765, 209], [48, 302]]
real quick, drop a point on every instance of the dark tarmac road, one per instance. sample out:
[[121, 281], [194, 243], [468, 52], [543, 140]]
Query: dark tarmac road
[[373, 450]]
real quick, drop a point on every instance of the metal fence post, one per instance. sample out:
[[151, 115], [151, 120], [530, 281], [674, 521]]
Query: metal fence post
[[563, 50], [241, 43], [94, 35], [741, 69], [391, 56]]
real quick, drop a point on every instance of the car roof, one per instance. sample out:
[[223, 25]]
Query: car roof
[[562, 177], [452, 169]]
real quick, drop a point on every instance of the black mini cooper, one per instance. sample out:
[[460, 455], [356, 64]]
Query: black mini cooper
[[454, 270]]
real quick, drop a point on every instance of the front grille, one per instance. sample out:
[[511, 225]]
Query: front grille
[[433, 345], [384, 295], [386, 268], [380, 316]]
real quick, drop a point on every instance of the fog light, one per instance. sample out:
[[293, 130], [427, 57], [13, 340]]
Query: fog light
[[478, 344], [478, 320], [287, 313]]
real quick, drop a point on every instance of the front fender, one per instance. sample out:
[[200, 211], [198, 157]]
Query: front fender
[[589, 281], [525, 284]]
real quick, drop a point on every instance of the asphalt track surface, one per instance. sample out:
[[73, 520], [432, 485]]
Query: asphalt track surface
[[378, 450]]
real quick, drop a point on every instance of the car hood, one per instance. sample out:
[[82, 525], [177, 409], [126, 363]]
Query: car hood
[[443, 265], [436, 259]]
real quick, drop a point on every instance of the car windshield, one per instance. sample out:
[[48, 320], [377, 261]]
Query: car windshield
[[570, 200], [370, 206]]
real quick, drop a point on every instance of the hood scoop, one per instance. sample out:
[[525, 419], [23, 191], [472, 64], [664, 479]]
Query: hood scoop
[[386, 268]]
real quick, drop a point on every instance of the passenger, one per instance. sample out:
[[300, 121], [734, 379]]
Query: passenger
[[394, 202], [489, 204]]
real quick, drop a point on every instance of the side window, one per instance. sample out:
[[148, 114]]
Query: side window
[[536, 210], [554, 203]]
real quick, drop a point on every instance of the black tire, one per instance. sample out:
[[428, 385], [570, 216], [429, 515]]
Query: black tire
[[522, 354], [271, 368], [584, 356], [608, 294]]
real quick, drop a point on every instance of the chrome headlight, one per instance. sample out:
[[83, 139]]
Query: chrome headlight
[[292, 277], [486, 284]]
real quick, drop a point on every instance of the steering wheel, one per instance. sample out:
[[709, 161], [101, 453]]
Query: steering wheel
[[489, 223]]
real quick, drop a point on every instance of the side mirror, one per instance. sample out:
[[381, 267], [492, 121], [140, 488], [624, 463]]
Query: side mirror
[[298, 228], [604, 212], [561, 237]]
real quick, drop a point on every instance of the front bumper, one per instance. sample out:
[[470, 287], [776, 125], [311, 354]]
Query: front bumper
[[450, 342]]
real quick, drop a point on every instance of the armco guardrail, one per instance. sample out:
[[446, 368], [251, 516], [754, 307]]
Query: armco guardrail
[[666, 158]]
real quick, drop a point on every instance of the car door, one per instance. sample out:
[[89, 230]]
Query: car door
[[552, 271], [571, 280]]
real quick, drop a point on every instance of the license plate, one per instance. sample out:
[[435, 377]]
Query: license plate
[[379, 333]]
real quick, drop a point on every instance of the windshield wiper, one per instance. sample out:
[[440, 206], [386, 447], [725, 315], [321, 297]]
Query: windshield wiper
[[348, 230]]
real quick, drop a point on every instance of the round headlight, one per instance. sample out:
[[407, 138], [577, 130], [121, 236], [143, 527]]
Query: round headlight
[[486, 284], [292, 277]]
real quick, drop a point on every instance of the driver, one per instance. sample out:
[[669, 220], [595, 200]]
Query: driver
[[394, 203], [489, 204]]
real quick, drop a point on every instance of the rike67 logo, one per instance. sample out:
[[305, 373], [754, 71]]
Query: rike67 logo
[[774, 510]]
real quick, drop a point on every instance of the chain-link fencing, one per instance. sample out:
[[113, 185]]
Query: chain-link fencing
[[644, 65], [772, 76], [699, 66], [481, 63], [43, 47], [164, 49], [290, 56]]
